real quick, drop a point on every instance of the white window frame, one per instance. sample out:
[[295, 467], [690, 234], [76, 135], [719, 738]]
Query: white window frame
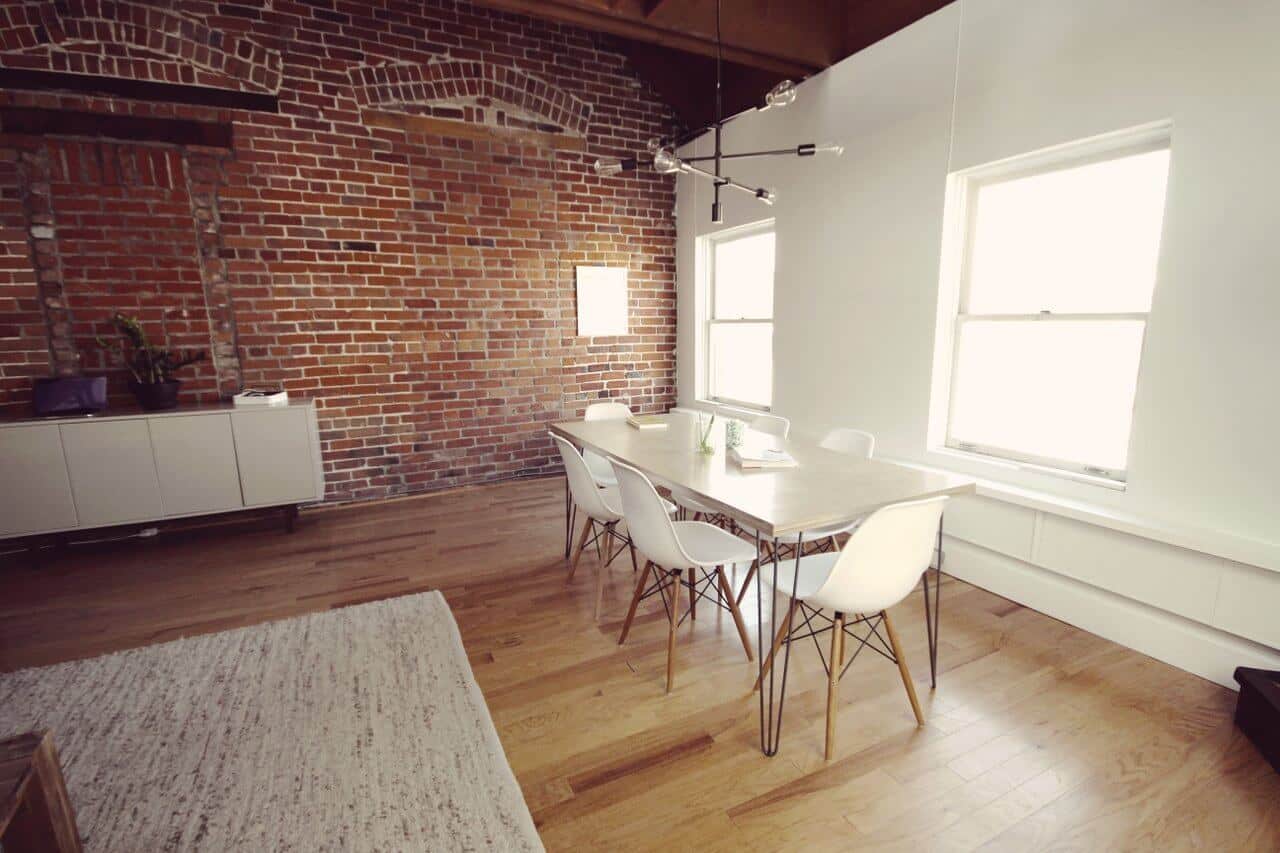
[[959, 232], [707, 260]]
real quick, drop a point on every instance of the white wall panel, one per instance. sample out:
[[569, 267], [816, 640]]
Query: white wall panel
[[1249, 604], [993, 524], [1200, 649], [1174, 579]]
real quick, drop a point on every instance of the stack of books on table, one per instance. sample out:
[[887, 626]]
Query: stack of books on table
[[648, 421], [762, 458]]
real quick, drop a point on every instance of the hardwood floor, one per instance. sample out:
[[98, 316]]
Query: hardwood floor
[[1039, 736]]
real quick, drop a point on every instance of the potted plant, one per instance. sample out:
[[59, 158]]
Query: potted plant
[[151, 368]]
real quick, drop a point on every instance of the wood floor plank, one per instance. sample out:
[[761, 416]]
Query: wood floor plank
[[1039, 736]]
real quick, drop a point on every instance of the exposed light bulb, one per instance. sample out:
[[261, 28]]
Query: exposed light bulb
[[767, 196], [831, 148], [654, 145], [665, 162], [781, 95], [608, 166]]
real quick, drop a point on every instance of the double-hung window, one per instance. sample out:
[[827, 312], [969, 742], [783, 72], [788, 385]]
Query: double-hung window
[[738, 331], [1057, 270]]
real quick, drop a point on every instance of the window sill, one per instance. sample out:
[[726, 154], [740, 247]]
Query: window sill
[[1215, 543], [996, 462], [732, 409]]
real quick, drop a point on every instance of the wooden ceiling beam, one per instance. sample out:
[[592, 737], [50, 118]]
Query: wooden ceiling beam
[[629, 21]]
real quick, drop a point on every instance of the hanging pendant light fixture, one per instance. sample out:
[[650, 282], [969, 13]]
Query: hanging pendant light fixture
[[661, 153]]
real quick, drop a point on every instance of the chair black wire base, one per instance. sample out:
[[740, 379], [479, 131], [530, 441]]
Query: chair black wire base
[[864, 641]]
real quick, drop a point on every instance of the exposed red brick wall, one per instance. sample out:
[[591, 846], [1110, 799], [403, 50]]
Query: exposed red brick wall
[[417, 281]]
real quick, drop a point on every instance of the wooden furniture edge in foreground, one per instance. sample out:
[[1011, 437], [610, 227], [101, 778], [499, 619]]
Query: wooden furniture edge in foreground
[[35, 812]]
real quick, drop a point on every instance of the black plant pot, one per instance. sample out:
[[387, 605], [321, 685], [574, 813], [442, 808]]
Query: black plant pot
[[155, 396]]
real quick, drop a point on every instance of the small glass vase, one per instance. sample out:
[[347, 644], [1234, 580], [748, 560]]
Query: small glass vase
[[733, 429], [706, 435]]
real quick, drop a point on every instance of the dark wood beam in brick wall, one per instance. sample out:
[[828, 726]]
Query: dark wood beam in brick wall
[[137, 90], [33, 121]]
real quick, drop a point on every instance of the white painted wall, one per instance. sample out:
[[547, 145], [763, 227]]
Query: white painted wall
[[857, 283]]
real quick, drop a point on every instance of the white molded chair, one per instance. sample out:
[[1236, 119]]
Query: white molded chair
[[597, 464], [610, 411], [853, 442], [672, 548], [774, 425], [879, 565], [602, 507]]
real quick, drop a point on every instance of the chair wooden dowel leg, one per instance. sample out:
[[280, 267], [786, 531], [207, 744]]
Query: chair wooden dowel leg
[[751, 573], [577, 554], [600, 580], [727, 592], [833, 682], [693, 593], [635, 601], [902, 668], [783, 631], [671, 629]]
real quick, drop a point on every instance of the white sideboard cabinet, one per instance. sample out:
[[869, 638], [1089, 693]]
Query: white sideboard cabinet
[[66, 474]]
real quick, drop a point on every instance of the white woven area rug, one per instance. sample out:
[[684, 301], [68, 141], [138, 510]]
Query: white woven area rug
[[354, 729]]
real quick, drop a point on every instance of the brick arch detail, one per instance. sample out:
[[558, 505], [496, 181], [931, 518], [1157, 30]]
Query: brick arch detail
[[150, 29], [455, 81]]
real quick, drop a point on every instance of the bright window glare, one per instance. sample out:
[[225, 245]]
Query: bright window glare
[[1061, 390], [742, 362], [1076, 240], [744, 278]]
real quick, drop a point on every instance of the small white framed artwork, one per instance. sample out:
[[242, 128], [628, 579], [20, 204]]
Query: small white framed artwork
[[602, 301]]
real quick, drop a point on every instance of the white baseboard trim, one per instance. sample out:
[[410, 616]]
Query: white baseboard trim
[[1180, 642]]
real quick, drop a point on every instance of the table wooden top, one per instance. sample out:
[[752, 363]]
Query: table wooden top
[[826, 487]]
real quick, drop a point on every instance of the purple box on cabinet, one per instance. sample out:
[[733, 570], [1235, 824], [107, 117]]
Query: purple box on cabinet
[[70, 395]]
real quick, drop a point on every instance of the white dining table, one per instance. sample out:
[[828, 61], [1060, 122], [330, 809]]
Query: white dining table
[[824, 488]]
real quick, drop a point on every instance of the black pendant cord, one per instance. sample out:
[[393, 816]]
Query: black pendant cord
[[719, 63], [716, 215]]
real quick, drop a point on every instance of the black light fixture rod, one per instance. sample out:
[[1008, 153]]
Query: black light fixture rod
[[799, 150], [721, 181]]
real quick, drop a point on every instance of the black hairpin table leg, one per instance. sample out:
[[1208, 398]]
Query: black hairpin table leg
[[931, 610], [771, 705], [568, 519]]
